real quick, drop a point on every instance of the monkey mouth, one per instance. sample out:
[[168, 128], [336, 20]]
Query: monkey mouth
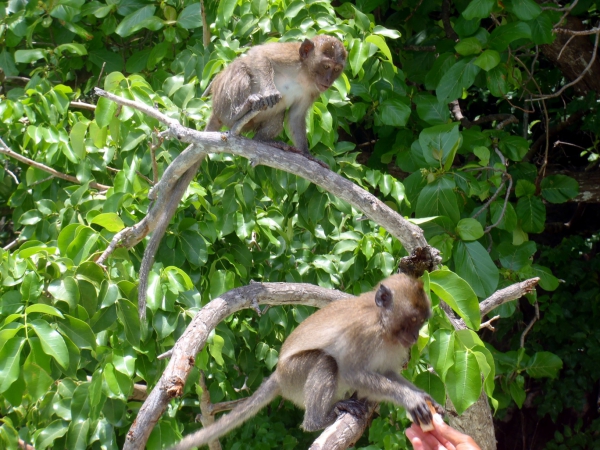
[[406, 341], [322, 87]]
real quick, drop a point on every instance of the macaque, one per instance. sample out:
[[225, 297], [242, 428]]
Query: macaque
[[345, 354], [254, 92]]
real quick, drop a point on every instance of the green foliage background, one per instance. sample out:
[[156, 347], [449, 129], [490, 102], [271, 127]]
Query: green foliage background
[[71, 345]]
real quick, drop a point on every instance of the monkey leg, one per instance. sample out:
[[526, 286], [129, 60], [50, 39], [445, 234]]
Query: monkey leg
[[319, 394]]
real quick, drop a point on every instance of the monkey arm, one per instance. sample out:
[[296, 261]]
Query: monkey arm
[[391, 387]]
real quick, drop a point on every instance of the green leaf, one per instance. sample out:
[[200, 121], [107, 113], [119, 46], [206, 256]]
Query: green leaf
[[44, 309], [135, 21], [439, 144], [432, 384], [463, 380], [515, 147], [548, 282], [478, 9], [381, 45], [129, 317], [523, 9], [438, 199], [79, 332], [468, 46], [458, 294], [51, 433], [541, 28], [360, 51], [515, 257], [474, 264], [441, 351], [78, 435], [393, 112], [66, 290], [431, 110], [105, 111], [225, 11], [460, 76], [190, 17], [559, 188], [469, 229], [504, 35], [31, 288], [517, 393], [111, 221], [215, 348], [531, 213], [29, 56], [488, 60], [10, 362], [52, 342], [544, 365]]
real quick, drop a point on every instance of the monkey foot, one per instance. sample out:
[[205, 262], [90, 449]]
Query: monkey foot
[[354, 406], [289, 148]]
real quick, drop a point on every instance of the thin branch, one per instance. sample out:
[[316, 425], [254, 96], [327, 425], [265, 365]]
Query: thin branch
[[489, 201], [494, 225], [595, 30], [82, 105], [11, 245], [450, 33], [8, 152], [24, 445], [536, 317], [512, 292], [488, 324], [581, 75]]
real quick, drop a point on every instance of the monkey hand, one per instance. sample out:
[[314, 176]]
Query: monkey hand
[[420, 409], [261, 102]]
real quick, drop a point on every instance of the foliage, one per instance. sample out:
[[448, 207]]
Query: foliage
[[71, 342]]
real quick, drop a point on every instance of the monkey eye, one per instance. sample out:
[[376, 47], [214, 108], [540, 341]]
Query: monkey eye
[[326, 66], [337, 69]]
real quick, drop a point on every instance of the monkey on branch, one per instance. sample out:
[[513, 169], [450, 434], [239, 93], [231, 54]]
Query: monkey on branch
[[341, 357], [253, 94]]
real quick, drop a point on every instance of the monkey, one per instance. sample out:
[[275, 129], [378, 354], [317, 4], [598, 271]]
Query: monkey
[[253, 93], [255, 90], [342, 356]]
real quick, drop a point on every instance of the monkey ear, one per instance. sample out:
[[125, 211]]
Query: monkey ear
[[383, 296], [305, 48]]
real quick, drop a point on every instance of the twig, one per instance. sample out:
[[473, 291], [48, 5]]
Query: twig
[[512, 292], [564, 47], [24, 445], [12, 175], [82, 105], [510, 183], [7, 151], [488, 324], [138, 173], [206, 414], [594, 30], [490, 200], [536, 317], [581, 75], [11, 245], [567, 11]]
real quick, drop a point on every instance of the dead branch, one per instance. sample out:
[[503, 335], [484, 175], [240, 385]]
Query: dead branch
[[410, 235], [512, 292], [194, 338], [5, 150]]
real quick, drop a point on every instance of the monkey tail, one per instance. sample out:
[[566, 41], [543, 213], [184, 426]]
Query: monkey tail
[[261, 398]]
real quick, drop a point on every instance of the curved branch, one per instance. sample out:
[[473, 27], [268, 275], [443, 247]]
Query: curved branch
[[194, 338], [410, 235]]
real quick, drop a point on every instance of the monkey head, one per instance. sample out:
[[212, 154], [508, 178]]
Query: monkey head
[[325, 57], [403, 307]]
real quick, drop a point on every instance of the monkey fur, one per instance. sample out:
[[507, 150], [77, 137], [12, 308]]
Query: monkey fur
[[254, 92], [351, 349]]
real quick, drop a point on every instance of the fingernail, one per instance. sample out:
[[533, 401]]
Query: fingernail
[[438, 419]]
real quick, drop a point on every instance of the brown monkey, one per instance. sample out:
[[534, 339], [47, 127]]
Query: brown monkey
[[255, 90], [353, 348], [253, 93]]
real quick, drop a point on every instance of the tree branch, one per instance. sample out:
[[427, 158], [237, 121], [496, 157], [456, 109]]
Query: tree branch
[[5, 150], [194, 338]]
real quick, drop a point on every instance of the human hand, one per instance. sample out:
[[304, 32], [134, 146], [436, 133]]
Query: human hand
[[443, 437]]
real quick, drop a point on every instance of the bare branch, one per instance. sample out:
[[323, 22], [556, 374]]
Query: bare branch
[[343, 433], [194, 338], [581, 75], [536, 317], [82, 105], [488, 324], [4, 149], [512, 292], [410, 235]]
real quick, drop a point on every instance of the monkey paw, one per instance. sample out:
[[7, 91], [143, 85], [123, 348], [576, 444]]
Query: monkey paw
[[422, 410], [353, 406], [262, 102]]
